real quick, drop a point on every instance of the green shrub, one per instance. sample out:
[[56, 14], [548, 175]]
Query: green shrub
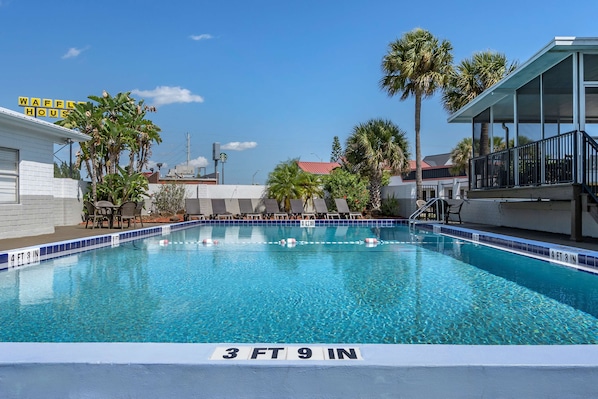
[[390, 206], [170, 198]]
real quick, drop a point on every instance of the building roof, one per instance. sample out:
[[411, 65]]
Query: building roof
[[438, 160], [554, 52], [58, 134], [318, 168], [412, 164]]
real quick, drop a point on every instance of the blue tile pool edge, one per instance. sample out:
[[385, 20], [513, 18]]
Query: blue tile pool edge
[[66, 248], [577, 258]]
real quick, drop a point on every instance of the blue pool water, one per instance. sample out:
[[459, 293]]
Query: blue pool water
[[328, 288]]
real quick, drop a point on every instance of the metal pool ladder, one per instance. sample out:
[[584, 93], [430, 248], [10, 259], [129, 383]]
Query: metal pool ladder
[[434, 206]]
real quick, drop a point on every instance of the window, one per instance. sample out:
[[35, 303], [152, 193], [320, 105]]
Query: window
[[9, 176]]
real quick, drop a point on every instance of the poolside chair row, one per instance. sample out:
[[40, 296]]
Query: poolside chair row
[[245, 208]]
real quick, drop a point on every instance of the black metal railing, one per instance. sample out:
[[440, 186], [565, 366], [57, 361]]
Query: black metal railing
[[568, 158]]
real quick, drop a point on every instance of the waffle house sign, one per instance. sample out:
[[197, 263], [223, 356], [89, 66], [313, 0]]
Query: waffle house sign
[[46, 107]]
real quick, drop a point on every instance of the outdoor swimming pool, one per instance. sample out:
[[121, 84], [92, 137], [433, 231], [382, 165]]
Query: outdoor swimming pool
[[328, 287]]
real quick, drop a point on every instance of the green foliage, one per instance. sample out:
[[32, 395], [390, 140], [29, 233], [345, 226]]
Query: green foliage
[[117, 125], [417, 65], [63, 171], [344, 184], [170, 198], [390, 206], [121, 187], [373, 149], [460, 156], [337, 150], [287, 181]]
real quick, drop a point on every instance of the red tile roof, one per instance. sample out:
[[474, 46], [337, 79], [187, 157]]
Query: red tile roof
[[412, 165], [318, 168]]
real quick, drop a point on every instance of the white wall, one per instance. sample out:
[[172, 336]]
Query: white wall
[[32, 215]]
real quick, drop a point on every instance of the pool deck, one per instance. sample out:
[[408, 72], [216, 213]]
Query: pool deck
[[65, 233]]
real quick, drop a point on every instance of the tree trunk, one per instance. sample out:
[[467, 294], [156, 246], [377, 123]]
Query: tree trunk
[[418, 150], [375, 201], [484, 140]]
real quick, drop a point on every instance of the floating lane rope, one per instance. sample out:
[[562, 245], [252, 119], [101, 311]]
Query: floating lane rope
[[290, 242]]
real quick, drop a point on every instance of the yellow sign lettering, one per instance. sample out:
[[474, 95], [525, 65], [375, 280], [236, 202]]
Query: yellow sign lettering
[[47, 107]]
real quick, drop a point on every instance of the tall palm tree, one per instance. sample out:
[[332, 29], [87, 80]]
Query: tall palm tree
[[372, 148], [416, 65], [472, 77]]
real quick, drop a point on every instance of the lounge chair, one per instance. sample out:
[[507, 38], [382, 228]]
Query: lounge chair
[[246, 209], [322, 210], [343, 208], [273, 211], [453, 209], [232, 206], [219, 209], [193, 209], [298, 211], [126, 211]]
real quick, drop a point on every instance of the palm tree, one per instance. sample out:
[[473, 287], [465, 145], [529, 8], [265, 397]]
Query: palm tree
[[460, 156], [288, 181], [116, 125], [372, 148], [472, 77], [416, 65]]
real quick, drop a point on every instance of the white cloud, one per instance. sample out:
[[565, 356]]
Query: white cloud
[[238, 146], [203, 36], [163, 95], [74, 52], [199, 162]]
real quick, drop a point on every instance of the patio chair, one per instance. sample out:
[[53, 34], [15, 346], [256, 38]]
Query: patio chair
[[343, 208], [219, 209], [453, 209], [273, 211], [322, 210], [94, 214], [426, 213], [138, 210], [298, 211], [108, 210], [126, 212], [246, 209], [193, 209]]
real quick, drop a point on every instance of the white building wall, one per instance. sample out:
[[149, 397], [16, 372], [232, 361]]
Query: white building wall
[[33, 214]]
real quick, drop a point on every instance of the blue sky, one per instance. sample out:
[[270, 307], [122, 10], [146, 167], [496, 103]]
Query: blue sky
[[268, 80]]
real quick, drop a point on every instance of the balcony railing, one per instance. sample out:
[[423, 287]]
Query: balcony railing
[[568, 158]]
